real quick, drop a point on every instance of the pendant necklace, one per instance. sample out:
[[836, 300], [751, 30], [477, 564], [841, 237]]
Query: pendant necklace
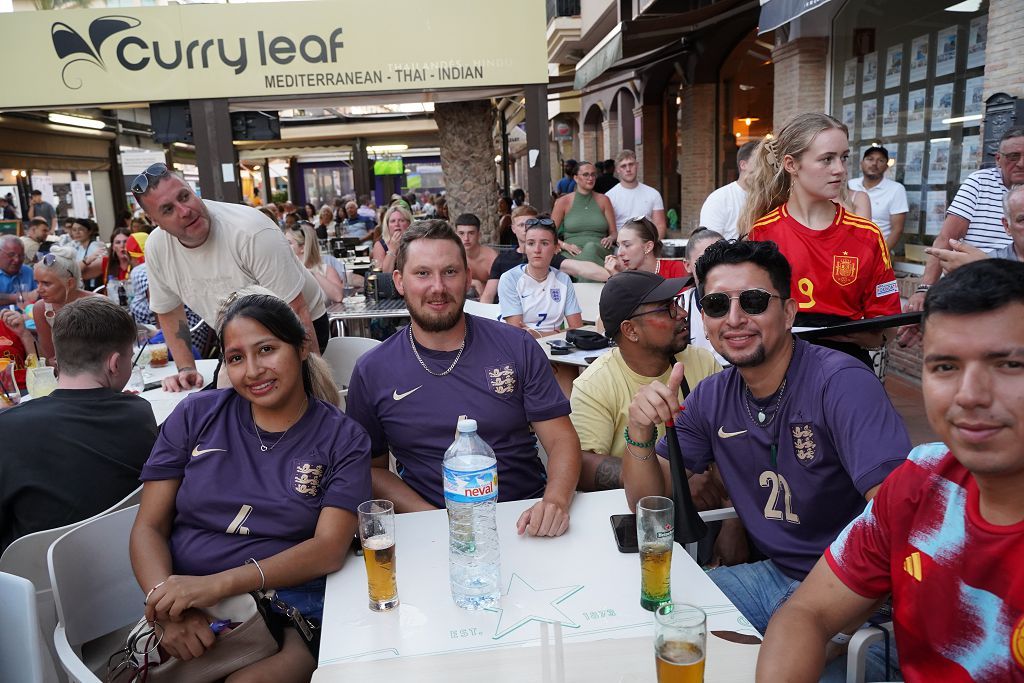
[[263, 447], [763, 420]]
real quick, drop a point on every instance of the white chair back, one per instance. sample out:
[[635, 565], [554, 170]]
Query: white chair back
[[21, 644], [342, 353], [492, 311], [95, 592], [26, 557], [589, 296]]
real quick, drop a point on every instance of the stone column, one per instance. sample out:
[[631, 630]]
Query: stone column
[[1003, 71], [610, 130], [648, 145], [211, 131], [467, 159], [588, 145], [697, 158], [801, 66]]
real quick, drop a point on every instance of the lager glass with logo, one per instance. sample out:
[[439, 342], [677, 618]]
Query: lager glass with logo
[[377, 536], [680, 643], [655, 516]]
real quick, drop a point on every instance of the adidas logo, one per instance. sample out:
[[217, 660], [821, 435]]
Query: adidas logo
[[912, 565]]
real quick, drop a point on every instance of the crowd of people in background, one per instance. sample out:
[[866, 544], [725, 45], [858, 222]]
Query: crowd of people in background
[[798, 436]]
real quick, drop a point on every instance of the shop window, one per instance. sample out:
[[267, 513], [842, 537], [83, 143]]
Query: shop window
[[746, 87], [910, 76]]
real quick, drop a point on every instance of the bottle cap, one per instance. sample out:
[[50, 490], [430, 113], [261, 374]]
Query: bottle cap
[[467, 426]]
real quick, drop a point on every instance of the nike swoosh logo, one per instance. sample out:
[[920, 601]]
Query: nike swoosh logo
[[196, 452], [728, 435], [398, 397]]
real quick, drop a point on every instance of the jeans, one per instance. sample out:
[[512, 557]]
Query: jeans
[[308, 598], [759, 588]]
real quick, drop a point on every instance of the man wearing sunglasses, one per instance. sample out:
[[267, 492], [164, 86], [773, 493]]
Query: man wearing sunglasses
[[802, 435], [204, 251]]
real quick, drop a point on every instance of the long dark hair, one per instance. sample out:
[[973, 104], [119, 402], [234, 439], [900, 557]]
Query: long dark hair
[[281, 321], [113, 262]]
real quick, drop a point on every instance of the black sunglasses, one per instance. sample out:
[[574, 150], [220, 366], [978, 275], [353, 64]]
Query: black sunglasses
[[50, 260], [140, 185], [531, 222], [752, 301]]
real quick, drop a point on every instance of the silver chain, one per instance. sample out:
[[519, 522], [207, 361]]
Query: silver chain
[[748, 397], [462, 347], [263, 447]]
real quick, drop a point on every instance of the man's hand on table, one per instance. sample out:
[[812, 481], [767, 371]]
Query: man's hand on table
[[545, 518], [185, 379]]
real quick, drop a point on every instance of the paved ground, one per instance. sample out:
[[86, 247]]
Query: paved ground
[[907, 399]]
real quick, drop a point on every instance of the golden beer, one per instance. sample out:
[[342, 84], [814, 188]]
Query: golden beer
[[379, 556], [655, 572], [680, 662]]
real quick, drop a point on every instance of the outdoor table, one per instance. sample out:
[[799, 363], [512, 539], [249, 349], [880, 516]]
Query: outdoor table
[[386, 308], [577, 357], [579, 579], [164, 402]]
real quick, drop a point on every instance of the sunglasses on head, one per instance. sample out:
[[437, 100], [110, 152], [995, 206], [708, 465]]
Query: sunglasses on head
[[752, 301], [546, 222], [140, 185], [50, 260]]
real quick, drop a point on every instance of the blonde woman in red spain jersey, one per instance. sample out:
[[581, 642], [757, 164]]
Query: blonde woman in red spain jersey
[[841, 266]]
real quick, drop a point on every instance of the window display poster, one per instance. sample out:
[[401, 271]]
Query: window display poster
[[919, 58], [938, 161], [913, 223], [849, 116], [868, 117], [894, 65], [976, 40], [915, 163], [870, 76], [970, 156], [974, 99], [891, 115], [935, 206], [942, 106], [945, 49], [915, 112], [850, 77]]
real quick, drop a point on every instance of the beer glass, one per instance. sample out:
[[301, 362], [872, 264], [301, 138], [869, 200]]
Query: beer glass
[[680, 643], [654, 532], [377, 536]]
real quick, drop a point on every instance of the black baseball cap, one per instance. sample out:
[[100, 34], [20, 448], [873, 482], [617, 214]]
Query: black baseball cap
[[876, 148], [624, 292]]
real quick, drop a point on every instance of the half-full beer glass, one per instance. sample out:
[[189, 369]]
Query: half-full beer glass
[[680, 643], [654, 532], [377, 536]]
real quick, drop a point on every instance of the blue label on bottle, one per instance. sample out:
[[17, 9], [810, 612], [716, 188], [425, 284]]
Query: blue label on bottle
[[470, 487]]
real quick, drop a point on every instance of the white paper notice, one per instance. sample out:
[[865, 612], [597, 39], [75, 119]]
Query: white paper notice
[[228, 171]]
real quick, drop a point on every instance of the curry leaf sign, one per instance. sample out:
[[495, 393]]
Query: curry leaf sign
[[133, 52]]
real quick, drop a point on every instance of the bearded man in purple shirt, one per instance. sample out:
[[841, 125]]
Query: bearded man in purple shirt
[[802, 435], [409, 392]]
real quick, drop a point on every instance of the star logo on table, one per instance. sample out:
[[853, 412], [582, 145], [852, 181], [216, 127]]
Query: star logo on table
[[522, 603]]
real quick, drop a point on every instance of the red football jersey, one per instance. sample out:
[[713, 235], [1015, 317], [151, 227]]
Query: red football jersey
[[955, 578], [843, 270], [669, 268]]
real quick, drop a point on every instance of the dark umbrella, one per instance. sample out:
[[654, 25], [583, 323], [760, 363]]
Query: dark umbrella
[[689, 527]]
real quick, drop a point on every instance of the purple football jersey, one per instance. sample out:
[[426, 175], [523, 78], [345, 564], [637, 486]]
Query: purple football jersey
[[503, 381], [837, 436], [236, 501]]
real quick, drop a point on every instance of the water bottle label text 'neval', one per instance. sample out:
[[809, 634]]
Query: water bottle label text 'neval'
[[470, 487]]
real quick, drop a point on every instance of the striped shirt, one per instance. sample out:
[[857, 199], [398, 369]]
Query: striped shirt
[[980, 202]]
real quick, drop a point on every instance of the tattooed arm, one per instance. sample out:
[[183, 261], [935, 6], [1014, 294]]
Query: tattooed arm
[[179, 342], [600, 472]]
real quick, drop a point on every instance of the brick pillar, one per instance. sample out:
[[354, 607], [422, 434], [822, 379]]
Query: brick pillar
[[800, 70], [610, 129], [697, 159], [1002, 51], [648, 145], [588, 145]]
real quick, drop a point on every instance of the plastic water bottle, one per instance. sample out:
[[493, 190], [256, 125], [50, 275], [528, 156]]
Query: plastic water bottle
[[471, 496]]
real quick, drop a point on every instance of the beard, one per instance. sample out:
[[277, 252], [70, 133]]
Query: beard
[[435, 322], [755, 358]]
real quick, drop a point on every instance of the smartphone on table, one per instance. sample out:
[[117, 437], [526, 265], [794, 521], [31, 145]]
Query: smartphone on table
[[624, 528]]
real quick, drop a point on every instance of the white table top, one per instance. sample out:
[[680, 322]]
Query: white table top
[[577, 357], [164, 402], [579, 579]]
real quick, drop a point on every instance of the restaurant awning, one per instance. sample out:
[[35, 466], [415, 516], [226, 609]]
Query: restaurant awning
[[644, 40], [775, 13]]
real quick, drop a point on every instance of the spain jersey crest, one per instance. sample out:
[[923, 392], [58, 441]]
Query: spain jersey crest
[[845, 269]]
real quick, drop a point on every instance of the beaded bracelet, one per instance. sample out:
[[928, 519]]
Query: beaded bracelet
[[640, 444]]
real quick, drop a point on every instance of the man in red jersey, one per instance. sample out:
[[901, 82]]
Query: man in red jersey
[[946, 530]]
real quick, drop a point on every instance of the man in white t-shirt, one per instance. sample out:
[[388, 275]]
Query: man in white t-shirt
[[888, 198], [722, 208], [631, 198], [204, 251]]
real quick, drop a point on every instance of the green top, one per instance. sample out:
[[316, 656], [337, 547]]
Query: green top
[[584, 219]]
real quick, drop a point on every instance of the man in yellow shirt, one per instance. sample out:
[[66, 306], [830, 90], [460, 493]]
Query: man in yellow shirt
[[640, 312]]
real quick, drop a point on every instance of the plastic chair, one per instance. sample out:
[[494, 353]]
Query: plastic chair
[[95, 592], [589, 296], [492, 311], [21, 646], [342, 353], [26, 557]]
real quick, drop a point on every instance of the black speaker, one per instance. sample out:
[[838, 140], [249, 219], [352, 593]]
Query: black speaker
[[171, 122], [255, 125]]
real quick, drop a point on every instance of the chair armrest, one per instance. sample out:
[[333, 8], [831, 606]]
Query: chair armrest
[[716, 515], [856, 665], [69, 659]]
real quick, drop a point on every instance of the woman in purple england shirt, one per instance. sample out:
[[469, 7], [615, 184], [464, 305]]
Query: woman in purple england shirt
[[251, 487]]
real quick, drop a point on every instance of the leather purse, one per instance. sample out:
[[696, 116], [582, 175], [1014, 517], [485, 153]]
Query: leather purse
[[247, 643]]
